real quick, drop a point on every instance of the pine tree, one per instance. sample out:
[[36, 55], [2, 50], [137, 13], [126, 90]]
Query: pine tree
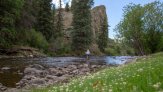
[[73, 4], [82, 33], [59, 22], [45, 23], [53, 12], [67, 8], [10, 12], [103, 36]]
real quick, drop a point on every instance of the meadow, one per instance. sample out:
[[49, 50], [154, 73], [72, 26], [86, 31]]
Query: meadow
[[143, 75]]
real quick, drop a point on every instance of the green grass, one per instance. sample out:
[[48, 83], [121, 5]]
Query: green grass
[[145, 75]]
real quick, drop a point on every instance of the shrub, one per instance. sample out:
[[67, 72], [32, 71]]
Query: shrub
[[160, 45], [59, 47], [111, 51], [37, 40], [7, 37]]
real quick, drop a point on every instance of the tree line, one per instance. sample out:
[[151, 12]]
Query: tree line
[[37, 23], [142, 27]]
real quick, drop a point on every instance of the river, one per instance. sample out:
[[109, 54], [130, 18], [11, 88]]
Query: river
[[11, 69]]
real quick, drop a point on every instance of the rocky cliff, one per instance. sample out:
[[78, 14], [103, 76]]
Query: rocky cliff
[[98, 14]]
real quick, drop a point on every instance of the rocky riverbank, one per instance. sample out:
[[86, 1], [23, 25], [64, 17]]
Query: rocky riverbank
[[39, 76], [20, 51]]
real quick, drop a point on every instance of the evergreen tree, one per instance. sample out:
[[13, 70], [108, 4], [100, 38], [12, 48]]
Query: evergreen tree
[[103, 36], [10, 12], [82, 33], [59, 22], [67, 8], [53, 12], [45, 23], [73, 4], [28, 15]]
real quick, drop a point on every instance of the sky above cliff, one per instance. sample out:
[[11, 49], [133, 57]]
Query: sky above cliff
[[114, 9]]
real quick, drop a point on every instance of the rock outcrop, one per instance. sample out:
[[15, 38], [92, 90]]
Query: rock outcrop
[[20, 51], [98, 15]]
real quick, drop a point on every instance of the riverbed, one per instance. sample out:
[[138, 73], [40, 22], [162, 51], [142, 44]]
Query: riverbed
[[12, 69]]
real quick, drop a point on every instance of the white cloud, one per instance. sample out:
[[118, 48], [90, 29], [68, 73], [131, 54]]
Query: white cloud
[[56, 2]]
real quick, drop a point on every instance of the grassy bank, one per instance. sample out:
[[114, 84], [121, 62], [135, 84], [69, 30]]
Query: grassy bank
[[145, 75]]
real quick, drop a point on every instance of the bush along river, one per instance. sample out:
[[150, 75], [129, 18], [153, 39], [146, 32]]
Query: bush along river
[[41, 72]]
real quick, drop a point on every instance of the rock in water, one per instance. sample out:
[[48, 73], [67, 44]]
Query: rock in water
[[2, 88], [37, 66], [5, 68]]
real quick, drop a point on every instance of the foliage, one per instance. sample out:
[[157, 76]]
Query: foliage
[[10, 11], [31, 38], [160, 45], [103, 36], [7, 37], [67, 7], [116, 48], [141, 27], [53, 14], [59, 47], [73, 6], [37, 40], [82, 34], [153, 28], [143, 75], [59, 23], [45, 23], [28, 14]]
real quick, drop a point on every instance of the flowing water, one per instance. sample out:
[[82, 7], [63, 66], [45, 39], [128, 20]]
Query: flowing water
[[11, 69]]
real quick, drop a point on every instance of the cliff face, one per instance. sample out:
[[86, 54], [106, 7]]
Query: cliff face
[[98, 14]]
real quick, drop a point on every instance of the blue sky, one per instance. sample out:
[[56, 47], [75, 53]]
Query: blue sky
[[115, 10]]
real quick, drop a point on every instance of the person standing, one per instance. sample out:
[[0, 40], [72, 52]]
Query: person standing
[[87, 57]]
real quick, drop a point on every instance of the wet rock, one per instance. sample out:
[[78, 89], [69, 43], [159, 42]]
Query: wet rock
[[37, 66], [51, 82], [50, 77], [38, 81], [58, 74], [21, 84], [94, 66], [29, 77], [85, 70], [33, 75], [72, 67], [2, 88], [76, 72], [35, 72], [52, 71], [5, 68]]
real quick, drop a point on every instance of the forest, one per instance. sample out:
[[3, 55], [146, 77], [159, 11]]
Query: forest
[[61, 46], [39, 24]]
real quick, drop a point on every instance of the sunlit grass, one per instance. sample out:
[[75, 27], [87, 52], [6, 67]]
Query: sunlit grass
[[145, 75]]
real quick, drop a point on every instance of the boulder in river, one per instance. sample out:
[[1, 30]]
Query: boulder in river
[[5, 68]]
